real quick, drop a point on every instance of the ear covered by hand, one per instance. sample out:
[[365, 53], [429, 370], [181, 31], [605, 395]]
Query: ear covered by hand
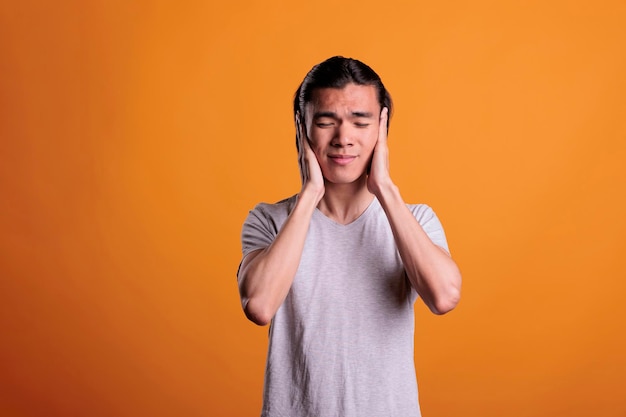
[[310, 171], [379, 176]]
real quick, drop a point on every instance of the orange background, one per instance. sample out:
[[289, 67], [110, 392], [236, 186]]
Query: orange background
[[135, 136]]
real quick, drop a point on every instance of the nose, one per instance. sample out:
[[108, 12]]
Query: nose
[[343, 136]]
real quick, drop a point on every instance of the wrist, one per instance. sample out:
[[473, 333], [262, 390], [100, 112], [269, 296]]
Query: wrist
[[384, 189], [387, 193], [311, 195]]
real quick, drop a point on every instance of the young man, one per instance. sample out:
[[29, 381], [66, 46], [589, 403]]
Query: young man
[[337, 268]]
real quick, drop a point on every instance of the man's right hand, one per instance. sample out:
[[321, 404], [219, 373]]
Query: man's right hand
[[310, 171]]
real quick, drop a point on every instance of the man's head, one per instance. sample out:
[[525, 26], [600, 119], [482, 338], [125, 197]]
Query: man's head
[[337, 72]]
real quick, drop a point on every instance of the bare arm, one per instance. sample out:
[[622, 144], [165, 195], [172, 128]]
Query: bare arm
[[266, 275], [430, 269]]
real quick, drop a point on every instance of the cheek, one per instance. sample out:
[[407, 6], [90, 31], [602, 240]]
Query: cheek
[[318, 143], [317, 149], [370, 143]]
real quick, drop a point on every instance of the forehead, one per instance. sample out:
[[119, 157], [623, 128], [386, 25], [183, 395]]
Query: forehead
[[351, 98]]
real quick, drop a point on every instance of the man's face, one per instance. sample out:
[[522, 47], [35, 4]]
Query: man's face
[[342, 125]]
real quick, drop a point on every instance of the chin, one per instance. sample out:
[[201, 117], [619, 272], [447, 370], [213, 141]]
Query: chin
[[344, 179]]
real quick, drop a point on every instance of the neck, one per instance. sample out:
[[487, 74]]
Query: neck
[[344, 203]]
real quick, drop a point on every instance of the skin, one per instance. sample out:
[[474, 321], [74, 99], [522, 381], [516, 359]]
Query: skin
[[344, 126], [344, 137]]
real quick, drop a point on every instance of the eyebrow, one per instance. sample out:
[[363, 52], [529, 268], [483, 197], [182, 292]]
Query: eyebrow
[[319, 114], [333, 115]]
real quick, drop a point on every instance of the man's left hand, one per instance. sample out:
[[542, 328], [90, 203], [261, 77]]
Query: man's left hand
[[379, 177]]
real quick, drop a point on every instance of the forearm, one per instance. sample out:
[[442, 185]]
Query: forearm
[[431, 271], [265, 278]]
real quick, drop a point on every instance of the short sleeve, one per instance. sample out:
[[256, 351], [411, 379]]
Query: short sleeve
[[431, 224], [257, 231], [263, 223]]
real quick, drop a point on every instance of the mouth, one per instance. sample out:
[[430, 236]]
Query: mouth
[[342, 159]]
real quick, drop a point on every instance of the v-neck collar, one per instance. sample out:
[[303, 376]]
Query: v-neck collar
[[361, 218]]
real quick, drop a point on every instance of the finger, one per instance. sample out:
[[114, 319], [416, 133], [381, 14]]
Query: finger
[[308, 153], [382, 127], [301, 150], [306, 145], [299, 132], [304, 142]]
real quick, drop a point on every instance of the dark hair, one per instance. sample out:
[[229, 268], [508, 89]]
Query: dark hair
[[337, 72]]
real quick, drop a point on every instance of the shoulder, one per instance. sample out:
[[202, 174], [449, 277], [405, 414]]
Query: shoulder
[[279, 209], [272, 215], [263, 223], [429, 221], [422, 212]]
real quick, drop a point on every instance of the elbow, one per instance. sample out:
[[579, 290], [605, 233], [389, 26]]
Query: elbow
[[449, 296], [258, 313], [446, 303], [442, 307]]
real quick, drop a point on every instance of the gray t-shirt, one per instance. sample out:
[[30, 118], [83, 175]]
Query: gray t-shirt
[[341, 344]]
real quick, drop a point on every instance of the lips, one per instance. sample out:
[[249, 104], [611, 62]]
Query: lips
[[342, 159]]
